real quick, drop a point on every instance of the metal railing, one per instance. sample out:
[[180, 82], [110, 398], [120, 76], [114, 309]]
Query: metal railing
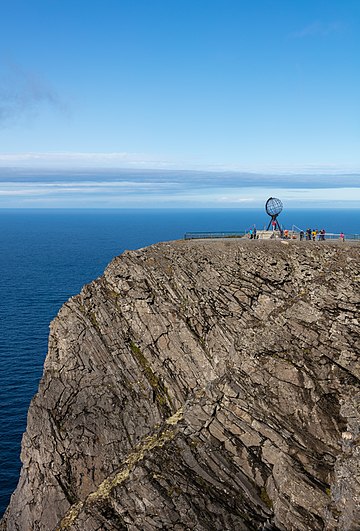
[[207, 235], [336, 236], [295, 235]]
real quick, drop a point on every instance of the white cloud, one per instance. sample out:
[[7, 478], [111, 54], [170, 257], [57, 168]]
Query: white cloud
[[23, 92], [87, 195], [319, 29], [53, 161], [74, 160], [225, 199]]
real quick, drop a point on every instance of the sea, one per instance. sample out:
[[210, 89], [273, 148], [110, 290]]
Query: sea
[[47, 255]]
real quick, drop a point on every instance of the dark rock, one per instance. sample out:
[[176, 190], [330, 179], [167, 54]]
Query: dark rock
[[208, 385]]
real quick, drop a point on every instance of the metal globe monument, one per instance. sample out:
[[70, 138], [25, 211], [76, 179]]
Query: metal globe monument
[[273, 207]]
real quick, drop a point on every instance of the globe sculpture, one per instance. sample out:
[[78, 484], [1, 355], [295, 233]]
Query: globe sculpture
[[273, 208]]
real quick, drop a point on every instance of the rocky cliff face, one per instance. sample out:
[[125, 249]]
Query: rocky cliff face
[[205, 385]]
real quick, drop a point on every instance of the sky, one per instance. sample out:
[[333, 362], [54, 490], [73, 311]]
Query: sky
[[117, 103]]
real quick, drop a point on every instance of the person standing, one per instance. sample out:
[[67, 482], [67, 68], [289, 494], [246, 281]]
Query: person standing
[[342, 237]]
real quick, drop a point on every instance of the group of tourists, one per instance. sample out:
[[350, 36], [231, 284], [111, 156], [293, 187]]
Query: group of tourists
[[309, 234], [317, 235], [313, 234], [252, 234]]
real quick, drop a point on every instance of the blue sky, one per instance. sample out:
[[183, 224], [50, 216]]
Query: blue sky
[[266, 89]]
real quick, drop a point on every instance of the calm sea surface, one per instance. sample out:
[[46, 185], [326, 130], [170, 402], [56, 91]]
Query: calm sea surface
[[46, 256]]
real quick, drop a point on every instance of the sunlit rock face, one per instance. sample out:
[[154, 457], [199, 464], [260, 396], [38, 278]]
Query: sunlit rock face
[[206, 385]]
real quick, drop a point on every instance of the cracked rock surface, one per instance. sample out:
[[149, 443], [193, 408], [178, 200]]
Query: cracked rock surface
[[201, 385]]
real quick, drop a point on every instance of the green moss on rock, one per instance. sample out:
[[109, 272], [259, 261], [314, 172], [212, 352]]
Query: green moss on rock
[[160, 391]]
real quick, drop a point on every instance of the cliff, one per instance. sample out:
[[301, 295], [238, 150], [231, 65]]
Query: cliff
[[205, 385]]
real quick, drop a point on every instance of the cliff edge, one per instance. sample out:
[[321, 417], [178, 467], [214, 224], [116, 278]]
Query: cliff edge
[[205, 385]]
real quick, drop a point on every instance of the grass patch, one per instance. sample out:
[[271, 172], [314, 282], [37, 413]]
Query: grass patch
[[161, 394]]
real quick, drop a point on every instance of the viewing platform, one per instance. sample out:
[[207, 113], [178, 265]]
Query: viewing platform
[[206, 235], [267, 235], [275, 230]]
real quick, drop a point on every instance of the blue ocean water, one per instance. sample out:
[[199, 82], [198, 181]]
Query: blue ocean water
[[48, 255]]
